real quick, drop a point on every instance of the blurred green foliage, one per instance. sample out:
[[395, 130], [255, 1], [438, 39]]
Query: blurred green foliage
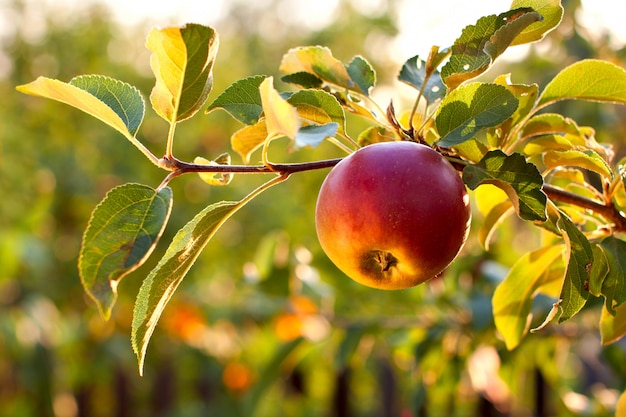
[[264, 324]]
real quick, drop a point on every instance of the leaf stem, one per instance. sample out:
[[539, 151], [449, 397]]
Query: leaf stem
[[144, 150], [169, 148], [340, 145]]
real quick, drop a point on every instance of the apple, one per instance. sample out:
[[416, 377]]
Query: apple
[[392, 215]]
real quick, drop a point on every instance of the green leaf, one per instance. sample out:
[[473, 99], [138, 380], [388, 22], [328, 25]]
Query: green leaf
[[182, 61], [526, 94], [303, 79], [348, 346], [599, 270], [248, 139], [514, 175], [323, 103], [480, 44], [512, 299], [471, 108], [362, 73], [579, 258], [241, 100], [215, 178], [270, 374], [511, 24], [550, 10], [122, 233], [581, 159], [313, 135], [113, 102], [125, 100], [414, 73], [281, 118], [589, 79], [613, 327], [614, 284], [159, 287]]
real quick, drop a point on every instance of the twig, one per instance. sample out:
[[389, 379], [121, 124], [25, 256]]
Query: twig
[[608, 211]]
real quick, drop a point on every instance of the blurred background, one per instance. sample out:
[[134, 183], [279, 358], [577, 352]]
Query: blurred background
[[264, 324]]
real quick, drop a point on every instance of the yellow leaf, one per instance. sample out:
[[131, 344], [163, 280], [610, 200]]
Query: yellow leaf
[[214, 178], [281, 117], [166, 43], [182, 61], [248, 139]]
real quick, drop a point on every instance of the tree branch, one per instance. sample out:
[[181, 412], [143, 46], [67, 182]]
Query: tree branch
[[180, 167], [608, 211]]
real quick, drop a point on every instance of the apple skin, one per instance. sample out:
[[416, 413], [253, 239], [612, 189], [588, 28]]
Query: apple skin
[[392, 215]]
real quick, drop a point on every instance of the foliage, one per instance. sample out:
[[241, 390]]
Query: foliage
[[555, 175]]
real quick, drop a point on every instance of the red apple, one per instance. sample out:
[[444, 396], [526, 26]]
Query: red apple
[[392, 215]]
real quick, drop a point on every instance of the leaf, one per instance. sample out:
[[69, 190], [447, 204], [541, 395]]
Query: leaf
[[579, 258], [545, 143], [113, 102], [589, 160], [549, 123], [589, 79], [471, 108], [125, 100], [318, 61], [599, 270], [158, 288], [613, 327], [348, 346], [182, 61], [362, 73], [513, 23], [375, 134], [215, 178], [313, 135], [512, 299], [550, 10], [472, 150], [122, 233], [268, 376], [414, 73], [323, 103], [436, 58], [551, 131], [614, 284], [248, 139], [303, 79], [492, 220], [514, 175], [281, 118], [242, 100], [526, 95], [480, 44]]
